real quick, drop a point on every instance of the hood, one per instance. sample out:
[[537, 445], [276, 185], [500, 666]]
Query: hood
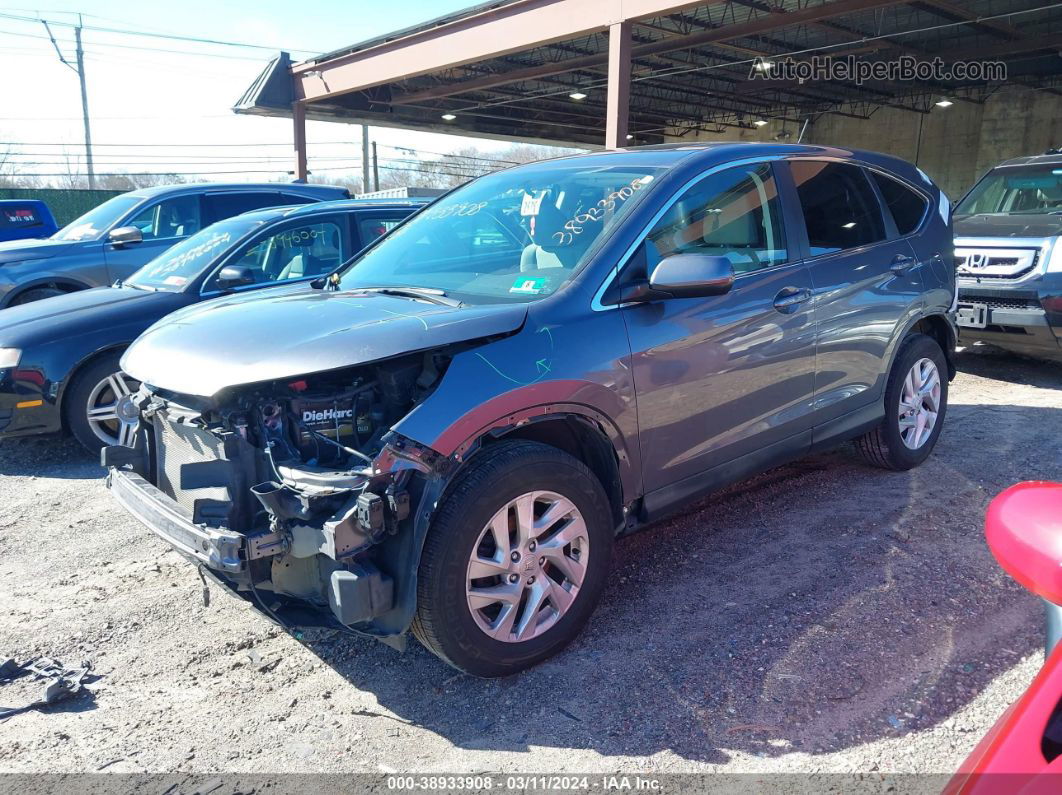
[[288, 332], [991, 225], [85, 310], [39, 248]]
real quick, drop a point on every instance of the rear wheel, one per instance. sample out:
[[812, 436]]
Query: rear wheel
[[515, 560], [916, 400], [99, 406], [36, 294]]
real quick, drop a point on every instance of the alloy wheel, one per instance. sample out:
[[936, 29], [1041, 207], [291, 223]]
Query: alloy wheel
[[110, 411], [527, 566], [919, 403]]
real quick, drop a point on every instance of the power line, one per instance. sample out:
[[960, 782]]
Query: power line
[[168, 36], [147, 49], [245, 171]]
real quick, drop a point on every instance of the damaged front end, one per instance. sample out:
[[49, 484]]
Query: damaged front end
[[294, 493]]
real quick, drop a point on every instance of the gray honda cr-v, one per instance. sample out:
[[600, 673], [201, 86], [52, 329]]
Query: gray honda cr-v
[[448, 433]]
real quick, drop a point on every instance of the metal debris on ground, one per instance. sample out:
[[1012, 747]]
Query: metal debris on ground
[[60, 683]]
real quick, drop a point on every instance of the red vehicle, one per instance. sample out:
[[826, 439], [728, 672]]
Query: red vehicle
[[1023, 751]]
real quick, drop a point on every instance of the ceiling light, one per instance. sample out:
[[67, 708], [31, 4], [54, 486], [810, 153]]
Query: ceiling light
[[449, 116], [849, 225], [760, 122], [945, 103], [577, 95]]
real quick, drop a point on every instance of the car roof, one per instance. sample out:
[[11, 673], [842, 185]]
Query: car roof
[[709, 153], [339, 205], [1048, 159], [206, 187], [23, 202]]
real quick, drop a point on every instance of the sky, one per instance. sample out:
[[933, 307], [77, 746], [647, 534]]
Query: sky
[[177, 95]]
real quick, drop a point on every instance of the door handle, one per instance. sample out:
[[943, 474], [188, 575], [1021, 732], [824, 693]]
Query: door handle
[[901, 263], [789, 298]]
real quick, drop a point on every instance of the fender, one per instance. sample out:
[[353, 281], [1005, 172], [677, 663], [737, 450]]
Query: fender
[[519, 407], [84, 360], [43, 281], [629, 481]]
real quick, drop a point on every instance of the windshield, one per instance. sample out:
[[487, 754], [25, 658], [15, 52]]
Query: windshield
[[517, 235], [180, 264], [1014, 190], [93, 223]]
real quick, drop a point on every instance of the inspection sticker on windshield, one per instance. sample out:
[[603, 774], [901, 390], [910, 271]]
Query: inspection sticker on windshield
[[530, 205], [530, 286]]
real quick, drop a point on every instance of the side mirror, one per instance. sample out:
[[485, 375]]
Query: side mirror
[[692, 276], [1023, 528], [124, 236], [234, 276]]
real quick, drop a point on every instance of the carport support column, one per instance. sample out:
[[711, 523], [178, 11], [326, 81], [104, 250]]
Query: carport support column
[[619, 84], [299, 116]]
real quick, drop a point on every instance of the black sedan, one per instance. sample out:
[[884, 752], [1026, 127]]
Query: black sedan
[[59, 358]]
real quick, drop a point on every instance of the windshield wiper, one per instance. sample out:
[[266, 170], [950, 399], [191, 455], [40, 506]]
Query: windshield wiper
[[432, 294]]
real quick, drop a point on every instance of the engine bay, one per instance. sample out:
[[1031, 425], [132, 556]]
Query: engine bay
[[332, 422]]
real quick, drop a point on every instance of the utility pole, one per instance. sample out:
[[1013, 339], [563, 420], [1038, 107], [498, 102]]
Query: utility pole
[[365, 159], [80, 69], [375, 168]]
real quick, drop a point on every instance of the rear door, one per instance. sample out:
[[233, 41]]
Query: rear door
[[161, 223], [867, 284]]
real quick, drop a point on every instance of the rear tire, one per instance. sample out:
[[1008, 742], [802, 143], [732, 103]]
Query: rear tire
[[36, 294], [911, 427], [102, 384], [493, 599]]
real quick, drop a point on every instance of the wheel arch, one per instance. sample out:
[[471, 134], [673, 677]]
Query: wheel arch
[[936, 326], [579, 437], [64, 283], [75, 370]]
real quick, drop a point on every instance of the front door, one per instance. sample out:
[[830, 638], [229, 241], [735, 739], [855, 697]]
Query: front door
[[161, 225], [724, 377]]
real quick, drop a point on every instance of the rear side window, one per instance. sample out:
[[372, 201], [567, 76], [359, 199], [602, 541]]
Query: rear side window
[[20, 217], [908, 208], [840, 208], [220, 206], [374, 226]]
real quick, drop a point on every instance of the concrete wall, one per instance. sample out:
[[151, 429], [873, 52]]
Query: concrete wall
[[958, 144]]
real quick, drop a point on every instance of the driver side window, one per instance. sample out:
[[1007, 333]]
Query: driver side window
[[176, 217], [734, 213], [295, 252]]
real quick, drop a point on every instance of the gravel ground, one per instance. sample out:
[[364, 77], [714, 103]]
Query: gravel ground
[[824, 616]]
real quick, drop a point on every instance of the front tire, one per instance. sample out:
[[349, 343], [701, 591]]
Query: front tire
[[98, 406], [916, 402], [515, 559]]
